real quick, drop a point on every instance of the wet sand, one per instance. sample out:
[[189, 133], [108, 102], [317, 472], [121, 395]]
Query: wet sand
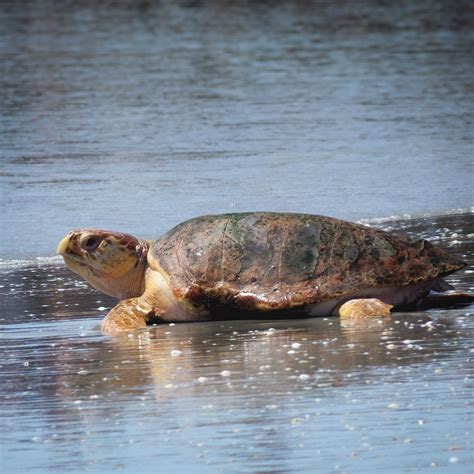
[[241, 396]]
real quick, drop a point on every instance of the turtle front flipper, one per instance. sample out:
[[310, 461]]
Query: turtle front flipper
[[128, 315], [364, 308]]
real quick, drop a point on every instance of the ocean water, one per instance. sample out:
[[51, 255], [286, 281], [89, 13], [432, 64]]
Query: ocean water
[[136, 115]]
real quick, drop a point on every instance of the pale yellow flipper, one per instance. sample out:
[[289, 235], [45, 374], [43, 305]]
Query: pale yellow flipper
[[364, 308], [128, 315]]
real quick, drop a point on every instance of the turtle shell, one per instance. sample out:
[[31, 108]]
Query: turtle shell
[[271, 261]]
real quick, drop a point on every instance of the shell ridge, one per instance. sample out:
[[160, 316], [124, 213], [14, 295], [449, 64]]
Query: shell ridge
[[280, 256], [335, 237], [224, 236]]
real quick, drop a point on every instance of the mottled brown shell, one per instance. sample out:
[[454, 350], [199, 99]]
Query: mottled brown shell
[[257, 261]]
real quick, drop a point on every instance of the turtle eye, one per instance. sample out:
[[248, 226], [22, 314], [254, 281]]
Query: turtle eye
[[91, 242]]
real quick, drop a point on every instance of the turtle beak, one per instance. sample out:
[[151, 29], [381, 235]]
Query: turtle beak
[[63, 246]]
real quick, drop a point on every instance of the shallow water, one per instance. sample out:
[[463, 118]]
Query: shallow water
[[242, 396]]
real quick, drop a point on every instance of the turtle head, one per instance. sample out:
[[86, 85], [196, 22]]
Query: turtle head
[[111, 262]]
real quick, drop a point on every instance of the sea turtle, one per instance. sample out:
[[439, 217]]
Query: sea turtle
[[255, 264]]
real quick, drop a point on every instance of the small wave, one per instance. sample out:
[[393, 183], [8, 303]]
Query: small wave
[[22, 263], [382, 220]]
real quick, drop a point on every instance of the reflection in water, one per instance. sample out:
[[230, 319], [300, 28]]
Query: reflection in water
[[273, 396], [313, 352]]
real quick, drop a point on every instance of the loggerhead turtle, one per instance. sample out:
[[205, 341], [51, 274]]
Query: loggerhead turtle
[[244, 265]]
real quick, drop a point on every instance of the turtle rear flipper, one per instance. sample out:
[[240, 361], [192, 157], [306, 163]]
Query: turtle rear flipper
[[450, 299], [364, 308]]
